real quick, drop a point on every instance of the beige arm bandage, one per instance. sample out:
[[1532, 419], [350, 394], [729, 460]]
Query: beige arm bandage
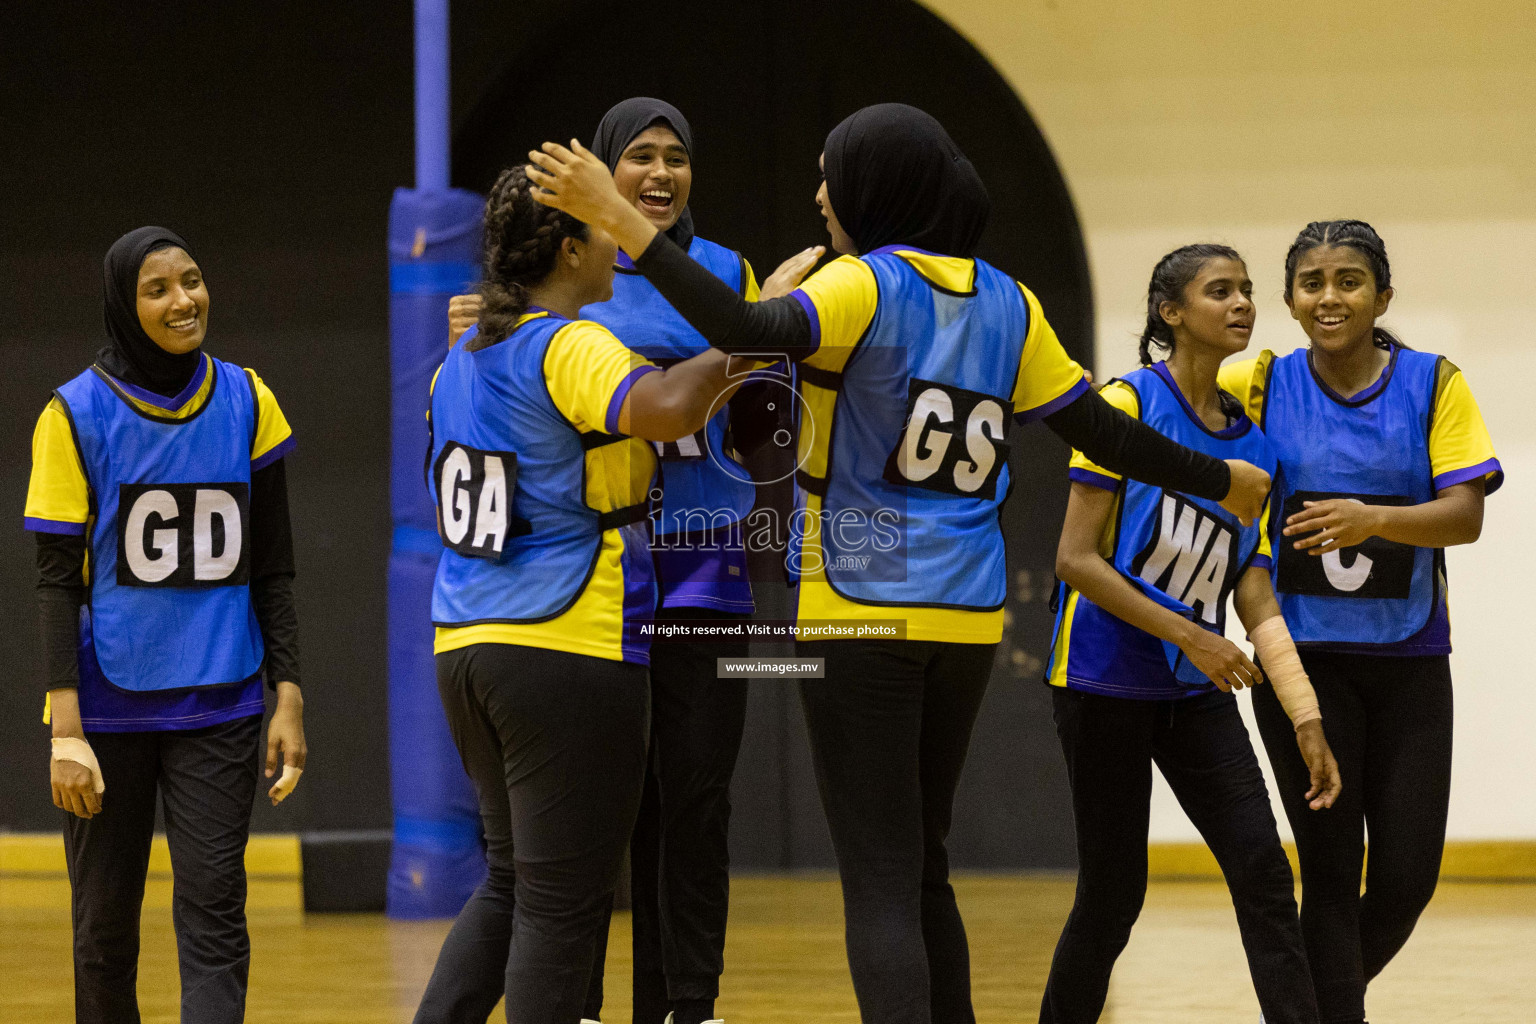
[[72, 748], [1282, 665], [285, 785]]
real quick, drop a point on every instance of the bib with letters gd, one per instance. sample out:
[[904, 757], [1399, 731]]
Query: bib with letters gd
[[170, 605]]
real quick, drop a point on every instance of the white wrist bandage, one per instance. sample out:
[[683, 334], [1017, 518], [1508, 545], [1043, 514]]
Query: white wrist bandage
[[1282, 665], [71, 748], [285, 785]]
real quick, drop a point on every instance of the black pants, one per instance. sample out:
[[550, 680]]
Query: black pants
[[889, 727], [1389, 723], [555, 745], [206, 779], [1202, 748], [679, 856]]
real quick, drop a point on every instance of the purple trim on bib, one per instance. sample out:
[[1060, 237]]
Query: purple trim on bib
[[1236, 428], [611, 421], [1061, 402], [810, 311], [53, 526], [708, 573], [1433, 639], [160, 401], [1087, 476], [105, 708], [276, 452], [1490, 468]]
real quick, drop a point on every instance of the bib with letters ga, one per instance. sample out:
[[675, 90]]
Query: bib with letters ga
[[512, 477]]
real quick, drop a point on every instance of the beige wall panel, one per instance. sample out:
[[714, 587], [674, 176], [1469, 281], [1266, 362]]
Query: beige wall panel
[[1199, 121]]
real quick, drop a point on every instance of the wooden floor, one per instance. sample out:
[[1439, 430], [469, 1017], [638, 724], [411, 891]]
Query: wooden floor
[[1471, 960]]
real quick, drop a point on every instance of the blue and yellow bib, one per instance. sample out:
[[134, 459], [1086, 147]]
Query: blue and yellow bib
[[170, 604], [543, 520], [706, 492], [1372, 448], [1185, 553], [919, 444], [923, 364]]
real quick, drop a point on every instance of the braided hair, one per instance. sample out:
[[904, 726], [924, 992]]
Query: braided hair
[[1361, 237], [1169, 279], [522, 239]]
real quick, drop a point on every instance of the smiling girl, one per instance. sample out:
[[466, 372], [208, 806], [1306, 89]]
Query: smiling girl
[[1384, 462], [1143, 675], [160, 505], [680, 856]]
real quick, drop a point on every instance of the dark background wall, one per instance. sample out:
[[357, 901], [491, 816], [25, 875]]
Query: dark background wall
[[271, 138]]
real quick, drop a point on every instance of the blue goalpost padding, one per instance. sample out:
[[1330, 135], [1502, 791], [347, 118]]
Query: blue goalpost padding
[[434, 244]]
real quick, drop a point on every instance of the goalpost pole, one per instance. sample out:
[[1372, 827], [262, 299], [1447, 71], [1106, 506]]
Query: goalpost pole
[[434, 242]]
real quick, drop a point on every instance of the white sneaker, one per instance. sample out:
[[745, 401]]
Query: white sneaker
[[669, 1020], [589, 1020]]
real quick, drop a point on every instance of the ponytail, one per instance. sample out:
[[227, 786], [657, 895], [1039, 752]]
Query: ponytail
[[1169, 279], [522, 240]]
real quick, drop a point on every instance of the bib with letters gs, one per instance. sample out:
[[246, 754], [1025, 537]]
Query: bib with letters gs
[[170, 602], [919, 442]]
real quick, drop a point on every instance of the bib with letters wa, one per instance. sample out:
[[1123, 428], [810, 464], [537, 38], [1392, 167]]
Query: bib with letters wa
[[1185, 553], [1373, 448], [509, 474], [703, 486], [170, 601], [918, 453]]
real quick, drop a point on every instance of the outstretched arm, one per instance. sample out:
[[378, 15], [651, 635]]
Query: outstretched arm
[[1124, 445], [668, 404]]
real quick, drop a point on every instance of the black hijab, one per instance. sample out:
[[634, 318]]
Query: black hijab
[[130, 354], [623, 123], [894, 175]]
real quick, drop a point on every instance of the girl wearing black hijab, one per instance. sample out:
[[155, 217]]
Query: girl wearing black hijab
[[164, 465], [916, 360], [679, 856]]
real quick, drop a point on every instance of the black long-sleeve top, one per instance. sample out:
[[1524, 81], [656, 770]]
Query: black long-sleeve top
[[61, 586], [1106, 435]]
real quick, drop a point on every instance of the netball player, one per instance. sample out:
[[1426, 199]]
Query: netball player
[[541, 467], [1142, 673], [679, 856], [921, 356], [160, 505], [1384, 462]]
